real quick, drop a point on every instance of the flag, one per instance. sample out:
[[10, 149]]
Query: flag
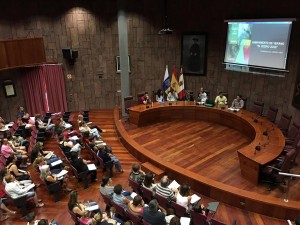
[[166, 82], [174, 80], [181, 85]]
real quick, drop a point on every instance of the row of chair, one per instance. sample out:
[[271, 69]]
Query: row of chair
[[180, 211]]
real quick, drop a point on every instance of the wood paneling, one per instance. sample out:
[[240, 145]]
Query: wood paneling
[[21, 52]]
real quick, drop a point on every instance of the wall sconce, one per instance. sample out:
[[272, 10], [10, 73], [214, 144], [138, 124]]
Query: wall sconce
[[70, 54], [9, 88], [69, 76]]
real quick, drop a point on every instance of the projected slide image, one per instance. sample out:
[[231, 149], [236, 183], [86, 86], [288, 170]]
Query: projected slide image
[[263, 44], [239, 42]]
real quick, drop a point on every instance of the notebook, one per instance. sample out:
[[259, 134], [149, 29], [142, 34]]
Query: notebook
[[57, 162], [63, 172], [195, 198], [173, 185], [91, 167]]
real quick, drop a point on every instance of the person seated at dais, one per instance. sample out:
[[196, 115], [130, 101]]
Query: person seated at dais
[[202, 96], [237, 103], [159, 97], [172, 96], [188, 96], [221, 99], [145, 99]]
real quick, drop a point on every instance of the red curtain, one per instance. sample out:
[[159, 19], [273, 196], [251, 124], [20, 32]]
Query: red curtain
[[44, 89], [34, 90], [55, 85]]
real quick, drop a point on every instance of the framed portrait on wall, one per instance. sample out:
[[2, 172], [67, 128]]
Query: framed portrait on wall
[[9, 89], [193, 53], [118, 64]]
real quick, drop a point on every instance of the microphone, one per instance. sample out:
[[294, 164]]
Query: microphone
[[255, 119], [266, 132], [259, 146]]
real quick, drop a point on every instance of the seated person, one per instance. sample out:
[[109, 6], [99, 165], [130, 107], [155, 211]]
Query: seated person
[[237, 103], [68, 146], [136, 205], [20, 112], [159, 97], [7, 150], [175, 221], [40, 161], [153, 215], [106, 157], [79, 208], [106, 187], [5, 172], [183, 196], [119, 198], [15, 191], [37, 151], [149, 181], [136, 172], [163, 189], [188, 96], [202, 96], [170, 215], [39, 124], [172, 96], [221, 99], [50, 178], [18, 143], [102, 219], [80, 119], [98, 144], [84, 128], [145, 99], [81, 166], [13, 169], [26, 121], [59, 128]]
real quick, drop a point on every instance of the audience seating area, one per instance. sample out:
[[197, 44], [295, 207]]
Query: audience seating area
[[269, 173]]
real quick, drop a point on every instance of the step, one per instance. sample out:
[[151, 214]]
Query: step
[[148, 167]]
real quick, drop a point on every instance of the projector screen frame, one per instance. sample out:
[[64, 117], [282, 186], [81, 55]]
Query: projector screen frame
[[252, 63]]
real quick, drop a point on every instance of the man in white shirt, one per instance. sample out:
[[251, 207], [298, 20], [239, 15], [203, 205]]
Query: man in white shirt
[[172, 96], [15, 190]]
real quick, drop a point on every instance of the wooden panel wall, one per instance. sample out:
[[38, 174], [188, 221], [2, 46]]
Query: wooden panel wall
[[21, 52]]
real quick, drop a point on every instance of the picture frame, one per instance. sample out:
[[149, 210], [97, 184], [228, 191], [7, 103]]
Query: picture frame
[[194, 53], [118, 64], [9, 89]]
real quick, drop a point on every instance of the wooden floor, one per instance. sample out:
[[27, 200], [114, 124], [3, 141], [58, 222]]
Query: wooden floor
[[206, 148], [104, 118]]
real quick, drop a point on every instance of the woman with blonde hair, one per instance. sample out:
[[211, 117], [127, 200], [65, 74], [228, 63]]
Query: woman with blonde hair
[[50, 178]]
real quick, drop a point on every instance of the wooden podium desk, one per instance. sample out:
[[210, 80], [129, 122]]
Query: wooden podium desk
[[261, 131]]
